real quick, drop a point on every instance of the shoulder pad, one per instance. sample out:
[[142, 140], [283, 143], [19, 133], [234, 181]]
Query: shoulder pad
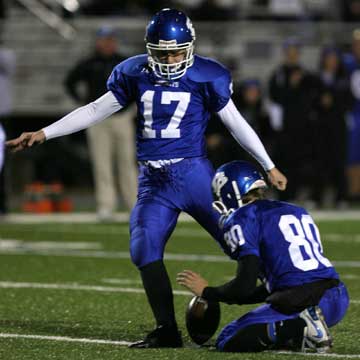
[[134, 65], [206, 70], [230, 220], [246, 211]]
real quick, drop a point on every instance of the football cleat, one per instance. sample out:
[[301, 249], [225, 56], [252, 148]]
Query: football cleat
[[161, 337], [316, 333]]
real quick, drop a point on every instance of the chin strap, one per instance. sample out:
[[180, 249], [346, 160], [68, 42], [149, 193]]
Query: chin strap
[[223, 211], [220, 207]]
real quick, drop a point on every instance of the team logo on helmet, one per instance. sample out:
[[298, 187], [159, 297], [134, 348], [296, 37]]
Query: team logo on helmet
[[191, 28], [218, 183]]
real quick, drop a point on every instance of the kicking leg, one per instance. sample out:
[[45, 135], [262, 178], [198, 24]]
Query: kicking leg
[[200, 207]]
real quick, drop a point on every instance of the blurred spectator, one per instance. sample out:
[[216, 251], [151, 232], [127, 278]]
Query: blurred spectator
[[351, 10], [104, 7], [122, 8], [330, 134], [189, 5], [248, 98], [222, 146], [2, 10], [215, 10], [154, 6], [3, 13], [7, 70], [291, 9], [286, 9], [111, 142], [292, 92], [352, 63]]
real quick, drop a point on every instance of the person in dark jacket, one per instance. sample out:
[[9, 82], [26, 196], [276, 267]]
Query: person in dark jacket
[[352, 64], [7, 72], [292, 91], [248, 98], [330, 137]]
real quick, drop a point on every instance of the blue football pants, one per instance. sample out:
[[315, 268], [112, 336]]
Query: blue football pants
[[333, 304], [163, 193]]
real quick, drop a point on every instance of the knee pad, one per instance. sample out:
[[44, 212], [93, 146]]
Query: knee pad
[[143, 247]]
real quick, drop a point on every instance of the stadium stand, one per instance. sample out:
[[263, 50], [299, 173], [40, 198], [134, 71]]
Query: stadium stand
[[44, 56]]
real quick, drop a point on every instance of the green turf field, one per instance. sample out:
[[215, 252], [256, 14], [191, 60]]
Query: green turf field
[[64, 282]]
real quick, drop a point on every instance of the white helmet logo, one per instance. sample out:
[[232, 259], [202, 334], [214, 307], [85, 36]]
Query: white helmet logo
[[191, 28], [218, 182]]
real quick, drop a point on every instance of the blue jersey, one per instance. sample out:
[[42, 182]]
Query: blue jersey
[[284, 237], [353, 68], [172, 115]]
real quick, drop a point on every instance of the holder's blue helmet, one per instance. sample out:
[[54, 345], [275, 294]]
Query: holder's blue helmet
[[169, 30], [233, 180]]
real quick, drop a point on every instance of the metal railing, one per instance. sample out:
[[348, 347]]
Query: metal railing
[[49, 17]]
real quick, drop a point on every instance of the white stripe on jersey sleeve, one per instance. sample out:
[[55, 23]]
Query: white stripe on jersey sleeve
[[84, 116]]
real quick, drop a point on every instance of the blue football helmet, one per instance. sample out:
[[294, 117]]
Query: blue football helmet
[[169, 31], [232, 181]]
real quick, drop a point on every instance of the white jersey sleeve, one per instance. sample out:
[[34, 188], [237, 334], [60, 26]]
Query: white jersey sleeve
[[84, 116], [245, 135]]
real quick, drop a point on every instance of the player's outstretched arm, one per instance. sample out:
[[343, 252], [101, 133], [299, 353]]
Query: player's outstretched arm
[[77, 120], [25, 140], [277, 178], [249, 140]]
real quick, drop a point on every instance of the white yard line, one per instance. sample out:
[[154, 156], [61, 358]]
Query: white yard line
[[350, 276], [126, 343], [110, 254], [334, 237], [347, 356], [121, 281], [125, 255], [75, 217], [181, 231], [331, 215], [49, 245], [96, 288], [80, 217], [346, 264], [109, 230], [77, 287], [65, 338]]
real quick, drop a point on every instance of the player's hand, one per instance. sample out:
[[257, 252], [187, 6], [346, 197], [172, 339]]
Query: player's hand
[[192, 281], [277, 179], [26, 140]]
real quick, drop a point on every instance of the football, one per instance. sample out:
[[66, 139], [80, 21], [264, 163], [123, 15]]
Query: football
[[202, 319]]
